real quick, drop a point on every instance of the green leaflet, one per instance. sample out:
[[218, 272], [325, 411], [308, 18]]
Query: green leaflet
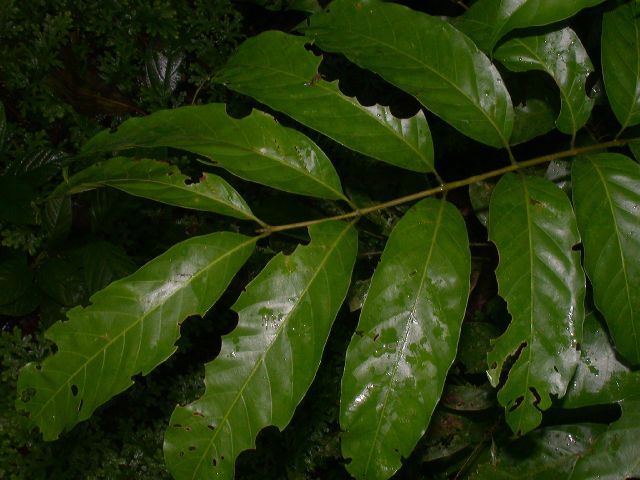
[[560, 54], [277, 70], [268, 362], [616, 453], [532, 119], [161, 182], [487, 21], [606, 195], [600, 377], [406, 339], [539, 275], [621, 62], [130, 327], [426, 57], [254, 148], [547, 453]]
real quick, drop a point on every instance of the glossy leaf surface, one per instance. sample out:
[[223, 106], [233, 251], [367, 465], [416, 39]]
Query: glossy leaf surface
[[268, 362], [255, 148], [277, 70], [161, 182], [621, 62], [606, 195], [406, 339], [130, 327], [616, 453], [532, 118], [531, 222], [487, 21], [560, 54], [426, 57], [601, 377]]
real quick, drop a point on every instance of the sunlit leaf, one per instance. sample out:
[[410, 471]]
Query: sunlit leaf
[[600, 377], [406, 339], [268, 362], [130, 327], [560, 54], [255, 148], [161, 182], [606, 194], [487, 21], [621, 62], [426, 57], [531, 222], [277, 70]]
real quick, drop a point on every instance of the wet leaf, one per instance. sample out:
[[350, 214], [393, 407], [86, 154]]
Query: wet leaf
[[560, 54], [480, 194], [163, 70], [600, 377], [268, 362], [621, 62], [539, 275], [468, 397], [161, 182], [130, 328], [487, 21], [410, 323], [532, 118], [426, 57], [475, 344], [277, 70], [255, 148], [606, 195], [449, 434]]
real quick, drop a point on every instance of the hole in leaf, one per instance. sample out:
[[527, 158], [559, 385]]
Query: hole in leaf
[[211, 427], [556, 369], [27, 394], [412, 273], [74, 390], [192, 448], [38, 367], [221, 457], [516, 403], [187, 428], [214, 462], [176, 425], [577, 247], [197, 414], [578, 347], [536, 396], [376, 336], [181, 454]]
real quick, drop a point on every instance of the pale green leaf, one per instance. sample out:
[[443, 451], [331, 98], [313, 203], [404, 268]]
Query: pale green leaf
[[601, 377], [606, 195], [277, 70], [531, 222], [560, 54], [268, 362], [255, 147], [487, 21], [161, 182], [426, 57], [406, 339], [130, 328], [621, 62]]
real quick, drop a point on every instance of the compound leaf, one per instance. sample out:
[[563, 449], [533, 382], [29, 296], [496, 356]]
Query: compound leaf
[[606, 195], [560, 54], [161, 182], [406, 339], [130, 328], [621, 62], [487, 21], [531, 222], [427, 58], [268, 362], [277, 70], [254, 148]]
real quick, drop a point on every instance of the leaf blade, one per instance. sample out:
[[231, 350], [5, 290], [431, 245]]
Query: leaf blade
[[185, 280], [409, 326], [284, 316], [468, 92]]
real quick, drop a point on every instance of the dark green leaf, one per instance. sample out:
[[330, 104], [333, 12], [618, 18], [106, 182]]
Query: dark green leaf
[[560, 54], [406, 339], [621, 62], [475, 343], [23, 305], [268, 362], [531, 222], [449, 434], [468, 397], [60, 277], [161, 182], [104, 263], [56, 217], [480, 195], [15, 277], [487, 21], [36, 167], [426, 57], [277, 70], [255, 148], [616, 452], [16, 196], [532, 118], [130, 328], [606, 194], [600, 377]]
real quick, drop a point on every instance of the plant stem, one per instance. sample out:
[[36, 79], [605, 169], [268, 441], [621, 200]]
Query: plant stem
[[358, 212]]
